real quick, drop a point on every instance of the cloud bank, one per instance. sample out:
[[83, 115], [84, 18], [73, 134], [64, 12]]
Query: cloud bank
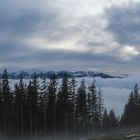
[[70, 35]]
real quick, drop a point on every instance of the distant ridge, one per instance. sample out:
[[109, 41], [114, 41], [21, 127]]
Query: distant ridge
[[27, 74]]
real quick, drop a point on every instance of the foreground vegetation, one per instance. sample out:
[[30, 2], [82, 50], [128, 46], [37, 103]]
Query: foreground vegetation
[[134, 136]]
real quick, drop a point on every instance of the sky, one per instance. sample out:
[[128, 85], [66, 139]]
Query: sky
[[87, 35]]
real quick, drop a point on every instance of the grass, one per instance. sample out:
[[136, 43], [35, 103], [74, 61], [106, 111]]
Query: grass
[[119, 137]]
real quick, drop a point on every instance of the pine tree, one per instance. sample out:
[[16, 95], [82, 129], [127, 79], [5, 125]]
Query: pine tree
[[43, 104], [128, 118], [94, 110], [51, 104], [100, 108], [113, 121], [34, 100], [32, 97], [137, 104], [62, 107], [131, 113], [7, 103], [7, 98], [73, 105], [105, 123], [29, 104], [89, 113], [20, 101], [81, 107]]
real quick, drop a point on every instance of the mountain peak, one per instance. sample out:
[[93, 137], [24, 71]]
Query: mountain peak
[[27, 74]]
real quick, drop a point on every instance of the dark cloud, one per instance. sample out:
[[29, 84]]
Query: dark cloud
[[124, 23], [24, 18]]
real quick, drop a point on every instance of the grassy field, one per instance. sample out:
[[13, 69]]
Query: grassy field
[[119, 137]]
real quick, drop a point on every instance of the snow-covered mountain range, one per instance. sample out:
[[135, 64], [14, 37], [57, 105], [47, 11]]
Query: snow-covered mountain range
[[27, 74]]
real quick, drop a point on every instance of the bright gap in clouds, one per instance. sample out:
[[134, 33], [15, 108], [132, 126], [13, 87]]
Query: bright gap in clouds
[[64, 45], [128, 52]]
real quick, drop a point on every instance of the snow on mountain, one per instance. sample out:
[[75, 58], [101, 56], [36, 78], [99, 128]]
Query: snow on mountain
[[27, 74]]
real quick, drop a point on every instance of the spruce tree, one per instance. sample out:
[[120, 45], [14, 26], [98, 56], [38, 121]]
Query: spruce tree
[[51, 104], [131, 113], [43, 97], [113, 121], [20, 101], [30, 111], [105, 123], [81, 108], [34, 102], [7, 100], [128, 118], [62, 107], [137, 104], [100, 108], [32, 98], [89, 113], [93, 103], [72, 86]]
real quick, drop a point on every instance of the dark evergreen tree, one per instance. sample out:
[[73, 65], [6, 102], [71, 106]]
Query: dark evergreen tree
[[105, 123], [72, 91], [51, 104], [7, 99], [100, 108], [43, 97], [89, 113], [113, 121], [128, 118], [6, 96], [63, 106], [131, 113], [30, 113], [81, 108], [137, 104], [20, 104], [32, 97], [93, 107]]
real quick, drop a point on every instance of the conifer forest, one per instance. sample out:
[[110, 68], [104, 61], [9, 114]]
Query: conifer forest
[[50, 109]]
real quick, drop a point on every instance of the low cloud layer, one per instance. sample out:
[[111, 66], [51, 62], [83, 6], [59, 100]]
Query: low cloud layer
[[70, 35]]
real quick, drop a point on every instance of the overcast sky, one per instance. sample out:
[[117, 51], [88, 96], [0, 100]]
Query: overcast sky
[[94, 35]]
